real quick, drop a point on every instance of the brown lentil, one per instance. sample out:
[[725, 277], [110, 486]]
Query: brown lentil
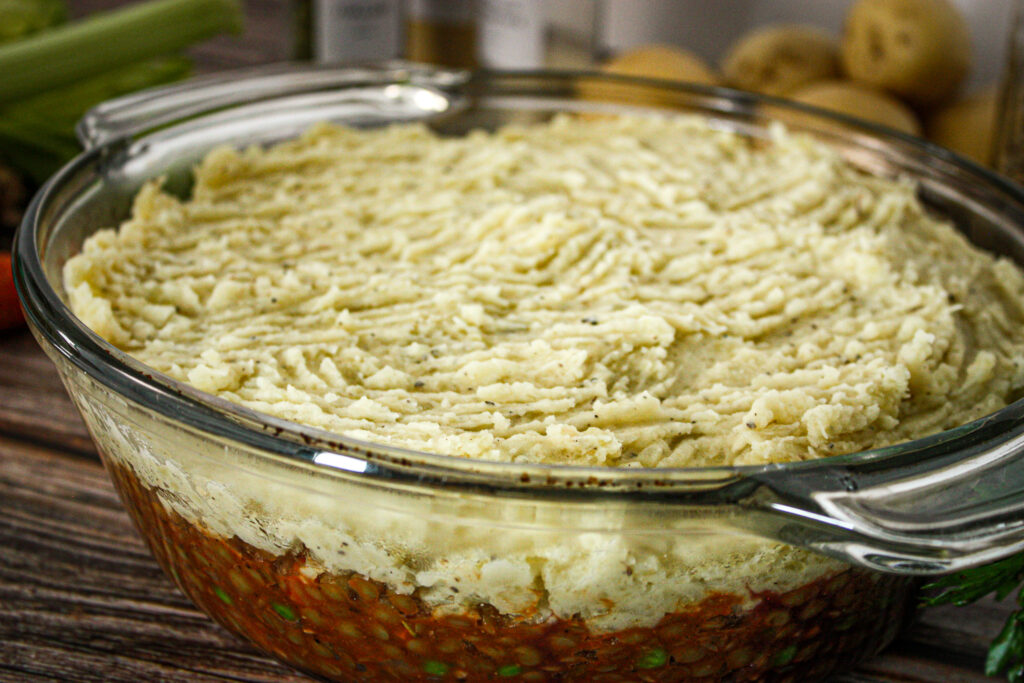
[[352, 628]]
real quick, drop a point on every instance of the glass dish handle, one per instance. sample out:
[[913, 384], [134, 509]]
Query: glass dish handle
[[916, 512], [124, 117]]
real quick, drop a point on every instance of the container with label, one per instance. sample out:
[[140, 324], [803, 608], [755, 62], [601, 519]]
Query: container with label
[[511, 34], [357, 30], [441, 32]]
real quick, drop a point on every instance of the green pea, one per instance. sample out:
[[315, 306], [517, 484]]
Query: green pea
[[220, 593], [846, 623], [510, 670], [784, 657], [435, 668], [653, 659], [284, 611]]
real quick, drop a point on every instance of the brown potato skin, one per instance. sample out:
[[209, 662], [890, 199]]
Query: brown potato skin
[[661, 61], [855, 99], [967, 126], [649, 61], [775, 60], [918, 50]]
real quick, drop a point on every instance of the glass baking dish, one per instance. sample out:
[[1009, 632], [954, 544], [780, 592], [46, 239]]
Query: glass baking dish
[[353, 561]]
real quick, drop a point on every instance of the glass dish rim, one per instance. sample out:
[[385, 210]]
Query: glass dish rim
[[279, 439]]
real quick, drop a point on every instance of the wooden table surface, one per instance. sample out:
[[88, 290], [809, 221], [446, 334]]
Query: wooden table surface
[[81, 599]]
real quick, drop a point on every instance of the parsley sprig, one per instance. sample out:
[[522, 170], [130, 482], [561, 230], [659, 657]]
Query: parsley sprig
[[1006, 653]]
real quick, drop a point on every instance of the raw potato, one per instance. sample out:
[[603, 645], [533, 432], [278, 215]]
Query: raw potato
[[967, 126], [649, 61], [918, 49], [860, 101], [662, 61], [778, 59]]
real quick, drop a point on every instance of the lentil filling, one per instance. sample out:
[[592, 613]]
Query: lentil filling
[[346, 627]]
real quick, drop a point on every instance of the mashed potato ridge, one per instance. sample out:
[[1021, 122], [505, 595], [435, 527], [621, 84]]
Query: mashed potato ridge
[[630, 292]]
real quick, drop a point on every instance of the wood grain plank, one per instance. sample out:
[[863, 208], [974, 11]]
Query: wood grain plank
[[944, 644], [34, 404], [963, 633], [897, 667]]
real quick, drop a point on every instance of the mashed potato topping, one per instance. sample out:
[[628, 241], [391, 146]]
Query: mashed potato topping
[[620, 291], [632, 292]]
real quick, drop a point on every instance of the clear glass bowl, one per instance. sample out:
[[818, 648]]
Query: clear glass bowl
[[353, 561]]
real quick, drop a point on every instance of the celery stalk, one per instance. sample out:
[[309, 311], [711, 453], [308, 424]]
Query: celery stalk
[[37, 134], [21, 18], [65, 54]]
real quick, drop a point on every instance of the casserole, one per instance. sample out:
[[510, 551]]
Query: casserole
[[302, 541]]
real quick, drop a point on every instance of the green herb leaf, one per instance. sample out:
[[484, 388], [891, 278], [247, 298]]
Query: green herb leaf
[[1006, 654], [284, 611], [653, 659], [965, 587], [1008, 647], [435, 668]]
